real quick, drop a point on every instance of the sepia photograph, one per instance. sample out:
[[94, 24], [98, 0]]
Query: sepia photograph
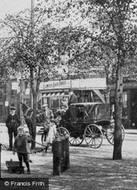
[[68, 94]]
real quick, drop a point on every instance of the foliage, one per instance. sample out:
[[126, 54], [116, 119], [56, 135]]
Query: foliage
[[117, 31], [28, 53], [74, 35]]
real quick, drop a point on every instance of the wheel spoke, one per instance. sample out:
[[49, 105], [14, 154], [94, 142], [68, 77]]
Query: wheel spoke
[[62, 131], [93, 136], [110, 133], [75, 141]]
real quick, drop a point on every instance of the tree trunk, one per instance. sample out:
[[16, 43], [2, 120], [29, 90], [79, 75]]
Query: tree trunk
[[117, 152], [34, 120], [34, 103]]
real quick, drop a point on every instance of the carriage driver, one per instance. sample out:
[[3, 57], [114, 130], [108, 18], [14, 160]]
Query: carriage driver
[[72, 97], [48, 116]]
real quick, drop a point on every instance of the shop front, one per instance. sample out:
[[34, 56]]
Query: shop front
[[129, 109], [56, 93]]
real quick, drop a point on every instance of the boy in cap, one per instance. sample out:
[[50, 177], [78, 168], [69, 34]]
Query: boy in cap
[[22, 148]]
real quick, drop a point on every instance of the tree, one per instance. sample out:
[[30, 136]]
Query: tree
[[111, 32], [117, 31], [28, 54], [34, 49], [94, 33], [109, 35]]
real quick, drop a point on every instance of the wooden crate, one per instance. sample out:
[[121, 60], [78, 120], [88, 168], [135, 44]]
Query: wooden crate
[[13, 166]]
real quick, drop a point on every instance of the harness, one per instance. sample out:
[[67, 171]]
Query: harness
[[29, 113]]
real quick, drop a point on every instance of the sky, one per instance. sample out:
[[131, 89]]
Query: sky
[[13, 6]]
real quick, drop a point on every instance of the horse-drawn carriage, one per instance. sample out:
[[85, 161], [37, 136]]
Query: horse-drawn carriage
[[88, 122]]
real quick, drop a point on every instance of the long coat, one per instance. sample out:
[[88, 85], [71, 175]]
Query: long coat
[[13, 121]]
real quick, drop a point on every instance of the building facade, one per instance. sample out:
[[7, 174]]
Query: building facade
[[54, 92], [86, 90], [129, 111]]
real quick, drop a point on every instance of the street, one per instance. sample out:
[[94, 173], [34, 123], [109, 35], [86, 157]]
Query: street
[[85, 163], [129, 148]]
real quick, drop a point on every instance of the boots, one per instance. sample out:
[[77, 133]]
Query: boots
[[20, 170], [28, 171]]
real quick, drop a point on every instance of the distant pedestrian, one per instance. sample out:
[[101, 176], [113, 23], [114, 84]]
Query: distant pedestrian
[[22, 148], [12, 123]]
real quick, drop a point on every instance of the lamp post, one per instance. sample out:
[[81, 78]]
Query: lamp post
[[32, 13], [21, 96], [32, 37], [21, 99]]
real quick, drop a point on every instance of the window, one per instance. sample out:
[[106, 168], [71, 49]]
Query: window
[[54, 103], [13, 92]]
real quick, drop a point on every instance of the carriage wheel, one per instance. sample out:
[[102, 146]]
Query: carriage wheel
[[93, 136], [110, 133], [62, 131], [75, 141]]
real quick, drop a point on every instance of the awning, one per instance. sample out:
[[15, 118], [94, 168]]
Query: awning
[[48, 95], [62, 94], [58, 94], [54, 94]]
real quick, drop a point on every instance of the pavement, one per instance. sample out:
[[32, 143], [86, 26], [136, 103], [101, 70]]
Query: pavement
[[89, 168]]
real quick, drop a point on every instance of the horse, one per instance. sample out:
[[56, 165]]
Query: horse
[[28, 116]]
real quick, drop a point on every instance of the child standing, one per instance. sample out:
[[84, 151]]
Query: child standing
[[51, 134], [22, 148], [28, 143]]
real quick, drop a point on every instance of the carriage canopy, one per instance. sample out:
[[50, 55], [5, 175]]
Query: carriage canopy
[[89, 112]]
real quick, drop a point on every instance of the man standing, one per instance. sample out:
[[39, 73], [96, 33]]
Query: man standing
[[48, 113], [12, 123]]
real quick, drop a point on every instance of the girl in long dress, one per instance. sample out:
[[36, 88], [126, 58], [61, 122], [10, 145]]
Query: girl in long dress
[[51, 134]]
